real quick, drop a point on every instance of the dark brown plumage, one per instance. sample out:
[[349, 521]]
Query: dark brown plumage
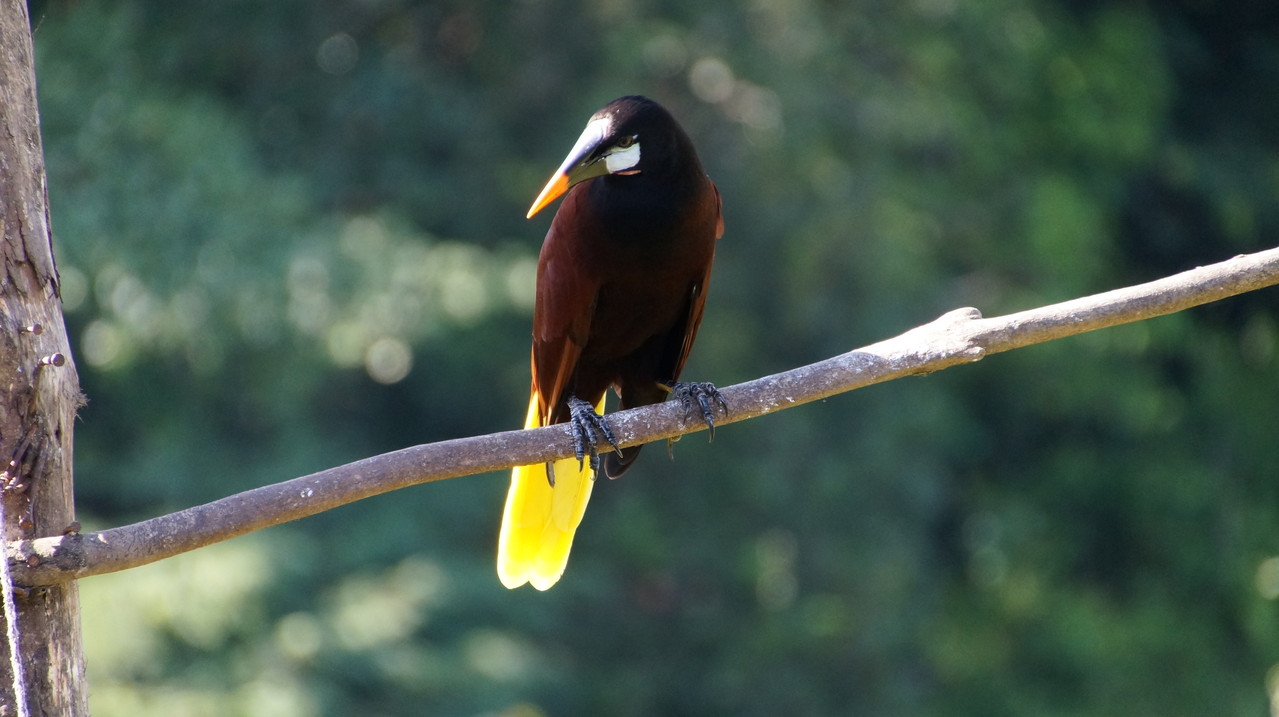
[[621, 284], [622, 276]]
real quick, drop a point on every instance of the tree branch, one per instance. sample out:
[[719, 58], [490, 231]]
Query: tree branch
[[960, 336]]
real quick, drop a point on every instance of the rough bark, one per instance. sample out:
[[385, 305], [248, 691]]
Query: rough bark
[[39, 393]]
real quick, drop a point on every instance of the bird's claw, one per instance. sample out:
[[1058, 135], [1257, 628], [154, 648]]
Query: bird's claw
[[586, 426], [700, 397]]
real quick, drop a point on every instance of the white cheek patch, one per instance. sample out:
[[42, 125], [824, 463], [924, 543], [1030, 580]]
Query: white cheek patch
[[623, 159]]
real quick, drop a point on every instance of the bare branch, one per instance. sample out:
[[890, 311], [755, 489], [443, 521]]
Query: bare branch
[[960, 336]]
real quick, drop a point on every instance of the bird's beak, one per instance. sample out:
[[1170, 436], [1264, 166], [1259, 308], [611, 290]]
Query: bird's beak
[[552, 191], [578, 166]]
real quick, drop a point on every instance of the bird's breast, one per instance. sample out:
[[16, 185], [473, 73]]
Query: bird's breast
[[647, 282]]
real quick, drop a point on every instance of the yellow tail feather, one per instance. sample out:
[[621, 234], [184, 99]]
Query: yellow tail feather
[[539, 521]]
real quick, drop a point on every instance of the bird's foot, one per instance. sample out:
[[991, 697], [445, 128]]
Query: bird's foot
[[700, 397], [587, 426]]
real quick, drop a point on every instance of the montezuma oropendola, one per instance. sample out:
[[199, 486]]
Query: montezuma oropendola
[[621, 283]]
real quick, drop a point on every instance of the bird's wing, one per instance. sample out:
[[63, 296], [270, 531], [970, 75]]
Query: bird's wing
[[719, 211], [542, 515], [697, 297], [566, 295]]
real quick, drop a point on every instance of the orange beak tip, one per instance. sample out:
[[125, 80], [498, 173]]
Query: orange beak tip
[[552, 191]]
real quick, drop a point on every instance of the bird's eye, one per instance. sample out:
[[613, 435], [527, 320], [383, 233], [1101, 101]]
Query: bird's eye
[[625, 142]]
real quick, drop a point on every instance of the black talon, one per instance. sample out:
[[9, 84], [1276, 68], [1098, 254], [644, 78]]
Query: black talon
[[706, 397], [586, 425]]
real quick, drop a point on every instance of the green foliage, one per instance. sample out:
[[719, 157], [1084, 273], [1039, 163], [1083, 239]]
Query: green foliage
[[291, 235]]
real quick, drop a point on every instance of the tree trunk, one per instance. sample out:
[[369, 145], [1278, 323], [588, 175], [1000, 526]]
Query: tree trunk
[[39, 394]]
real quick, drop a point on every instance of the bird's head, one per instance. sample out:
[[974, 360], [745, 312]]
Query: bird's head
[[626, 137]]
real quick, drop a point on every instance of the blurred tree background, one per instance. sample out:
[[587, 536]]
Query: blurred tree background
[[291, 235]]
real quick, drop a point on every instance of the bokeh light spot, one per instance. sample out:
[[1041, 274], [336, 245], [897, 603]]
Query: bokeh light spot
[[338, 54], [711, 79], [1267, 578], [388, 360], [102, 344]]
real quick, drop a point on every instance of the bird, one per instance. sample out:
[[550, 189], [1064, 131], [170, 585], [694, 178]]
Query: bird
[[621, 286]]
